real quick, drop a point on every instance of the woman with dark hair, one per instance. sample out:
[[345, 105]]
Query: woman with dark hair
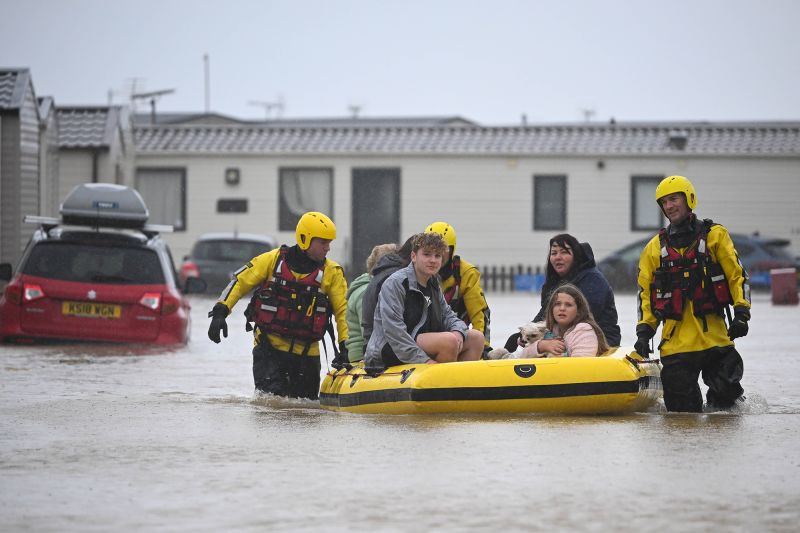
[[570, 261]]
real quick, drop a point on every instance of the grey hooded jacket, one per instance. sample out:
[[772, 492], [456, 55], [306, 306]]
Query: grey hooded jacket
[[402, 310], [385, 267]]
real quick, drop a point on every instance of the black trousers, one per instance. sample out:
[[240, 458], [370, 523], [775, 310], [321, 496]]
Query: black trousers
[[722, 369], [285, 374]]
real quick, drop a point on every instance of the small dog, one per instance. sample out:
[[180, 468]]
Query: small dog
[[530, 332]]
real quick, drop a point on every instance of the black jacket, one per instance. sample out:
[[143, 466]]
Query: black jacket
[[385, 267], [594, 286]]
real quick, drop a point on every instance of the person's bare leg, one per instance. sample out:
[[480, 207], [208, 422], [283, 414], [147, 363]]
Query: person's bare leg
[[473, 346], [442, 347]]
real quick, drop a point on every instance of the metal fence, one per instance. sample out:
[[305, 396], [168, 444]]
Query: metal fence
[[509, 278]]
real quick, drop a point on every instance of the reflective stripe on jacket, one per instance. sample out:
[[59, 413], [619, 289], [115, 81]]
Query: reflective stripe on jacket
[[687, 334], [258, 269]]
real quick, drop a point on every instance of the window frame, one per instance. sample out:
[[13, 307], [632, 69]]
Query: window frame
[[284, 222], [539, 181], [636, 180], [182, 192]]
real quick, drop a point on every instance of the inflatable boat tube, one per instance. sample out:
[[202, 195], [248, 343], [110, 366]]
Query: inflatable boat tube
[[618, 382]]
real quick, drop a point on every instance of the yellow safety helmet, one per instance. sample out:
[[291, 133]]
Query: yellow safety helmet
[[673, 184], [314, 224], [446, 231]]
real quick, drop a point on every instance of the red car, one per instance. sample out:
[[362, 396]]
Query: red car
[[96, 274]]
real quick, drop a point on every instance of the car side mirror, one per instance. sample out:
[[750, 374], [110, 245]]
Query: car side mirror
[[5, 271], [194, 286]]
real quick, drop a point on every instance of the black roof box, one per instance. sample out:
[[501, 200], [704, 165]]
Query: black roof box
[[104, 204]]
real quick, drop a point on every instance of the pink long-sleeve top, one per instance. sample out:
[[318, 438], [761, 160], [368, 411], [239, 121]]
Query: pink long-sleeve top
[[581, 341]]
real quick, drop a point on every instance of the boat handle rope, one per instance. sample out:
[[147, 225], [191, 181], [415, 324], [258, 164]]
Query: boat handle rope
[[337, 374]]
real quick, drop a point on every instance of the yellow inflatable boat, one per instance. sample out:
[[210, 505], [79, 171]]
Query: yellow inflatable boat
[[618, 382]]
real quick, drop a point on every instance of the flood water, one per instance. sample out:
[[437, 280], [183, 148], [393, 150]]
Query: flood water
[[101, 438]]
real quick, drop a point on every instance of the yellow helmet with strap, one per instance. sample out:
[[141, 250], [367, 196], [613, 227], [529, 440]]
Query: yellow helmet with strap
[[314, 224], [446, 231], [673, 184]]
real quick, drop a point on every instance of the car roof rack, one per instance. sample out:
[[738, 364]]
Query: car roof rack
[[48, 223], [103, 205]]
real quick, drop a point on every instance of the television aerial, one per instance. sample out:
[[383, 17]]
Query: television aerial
[[278, 106], [153, 96]]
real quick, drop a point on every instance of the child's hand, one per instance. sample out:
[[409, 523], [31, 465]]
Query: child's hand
[[553, 346]]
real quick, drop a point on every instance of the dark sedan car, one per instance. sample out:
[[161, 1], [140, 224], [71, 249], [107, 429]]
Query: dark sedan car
[[758, 255], [216, 256]]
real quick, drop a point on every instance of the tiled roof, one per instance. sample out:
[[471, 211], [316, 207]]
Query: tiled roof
[[12, 87], [698, 138], [86, 127], [146, 119], [216, 119]]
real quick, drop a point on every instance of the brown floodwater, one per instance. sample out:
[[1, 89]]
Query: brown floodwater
[[105, 437]]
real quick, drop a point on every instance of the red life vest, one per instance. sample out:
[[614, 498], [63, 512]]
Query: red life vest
[[691, 276], [453, 294], [290, 307]]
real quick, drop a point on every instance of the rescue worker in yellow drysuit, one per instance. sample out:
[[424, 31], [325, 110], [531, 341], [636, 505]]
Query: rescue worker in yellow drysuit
[[461, 285], [298, 290], [689, 276]]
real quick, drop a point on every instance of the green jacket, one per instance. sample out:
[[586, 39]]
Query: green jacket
[[355, 297]]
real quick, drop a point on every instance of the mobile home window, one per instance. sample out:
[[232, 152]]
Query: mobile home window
[[164, 193], [549, 202], [302, 190], [645, 213]]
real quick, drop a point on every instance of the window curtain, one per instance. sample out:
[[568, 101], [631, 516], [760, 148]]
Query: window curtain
[[161, 190], [307, 190], [304, 190]]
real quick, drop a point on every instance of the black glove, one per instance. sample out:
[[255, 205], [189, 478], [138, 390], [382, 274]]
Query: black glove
[[512, 343], [217, 316], [739, 327], [643, 335], [341, 359]]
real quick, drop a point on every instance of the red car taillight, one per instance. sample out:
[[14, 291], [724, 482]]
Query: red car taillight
[[151, 300], [167, 303], [189, 270], [32, 292], [170, 304]]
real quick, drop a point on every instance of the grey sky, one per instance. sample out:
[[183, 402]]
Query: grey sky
[[489, 61]]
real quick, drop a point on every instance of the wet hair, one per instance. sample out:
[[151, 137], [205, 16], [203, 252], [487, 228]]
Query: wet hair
[[568, 242], [584, 314], [429, 241], [378, 252]]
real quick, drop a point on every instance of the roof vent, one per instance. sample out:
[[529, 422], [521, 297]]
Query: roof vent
[[678, 139]]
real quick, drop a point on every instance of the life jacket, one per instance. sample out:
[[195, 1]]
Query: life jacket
[[692, 276], [453, 293], [293, 308]]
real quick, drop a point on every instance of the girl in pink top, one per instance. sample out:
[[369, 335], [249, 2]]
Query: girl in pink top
[[573, 330]]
